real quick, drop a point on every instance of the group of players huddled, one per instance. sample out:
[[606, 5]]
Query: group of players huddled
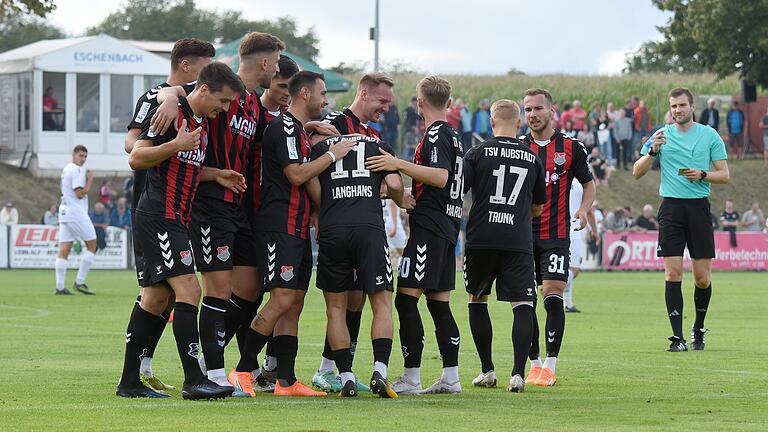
[[228, 184]]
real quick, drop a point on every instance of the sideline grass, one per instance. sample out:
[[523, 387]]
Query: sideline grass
[[60, 359]]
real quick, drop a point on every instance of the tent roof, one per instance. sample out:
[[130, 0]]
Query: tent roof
[[334, 82], [91, 54]]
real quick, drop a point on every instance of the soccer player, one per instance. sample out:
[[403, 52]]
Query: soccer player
[[174, 161], [395, 230], [188, 57], [74, 222], [276, 98], [687, 152], [428, 263], [282, 225], [374, 94], [506, 180], [578, 245], [352, 238], [564, 159]]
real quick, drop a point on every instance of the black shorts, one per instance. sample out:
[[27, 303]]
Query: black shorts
[[428, 262], [363, 249], [214, 226], [512, 271], [165, 248], [138, 256], [285, 261], [685, 222], [246, 250], [551, 259]]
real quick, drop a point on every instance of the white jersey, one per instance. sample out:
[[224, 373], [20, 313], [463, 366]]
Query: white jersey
[[72, 208], [577, 191], [388, 215]]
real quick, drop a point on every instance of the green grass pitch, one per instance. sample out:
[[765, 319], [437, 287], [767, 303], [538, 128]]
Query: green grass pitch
[[60, 358]]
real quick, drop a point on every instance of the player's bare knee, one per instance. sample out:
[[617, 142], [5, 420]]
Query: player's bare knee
[[673, 274], [355, 301], [702, 281], [91, 245], [477, 299]]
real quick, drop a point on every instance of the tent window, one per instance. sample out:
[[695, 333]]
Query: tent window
[[54, 97], [87, 102], [23, 102], [121, 100], [152, 81]]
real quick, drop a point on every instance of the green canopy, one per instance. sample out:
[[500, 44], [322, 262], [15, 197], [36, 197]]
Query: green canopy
[[334, 82]]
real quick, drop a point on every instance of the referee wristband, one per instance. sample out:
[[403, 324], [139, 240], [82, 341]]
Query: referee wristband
[[333, 158]]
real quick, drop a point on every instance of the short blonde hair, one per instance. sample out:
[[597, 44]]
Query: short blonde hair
[[373, 79], [505, 110], [435, 90], [260, 43]]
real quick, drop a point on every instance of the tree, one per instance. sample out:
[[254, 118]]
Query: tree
[[25, 7], [723, 36], [19, 30], [231, 25], [658, 57]]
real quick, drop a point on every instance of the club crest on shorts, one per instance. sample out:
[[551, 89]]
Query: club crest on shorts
[[186, 257], [286, 272], [559, 158], [222, 253]]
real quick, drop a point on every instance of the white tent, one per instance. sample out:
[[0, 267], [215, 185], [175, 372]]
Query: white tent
[[55, 94]]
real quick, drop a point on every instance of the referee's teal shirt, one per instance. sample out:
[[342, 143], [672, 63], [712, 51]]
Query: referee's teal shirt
[[695, 149]]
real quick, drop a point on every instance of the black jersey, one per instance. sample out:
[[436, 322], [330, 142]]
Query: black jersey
[[233, 133], [505, 178], [350, 192], [346, 122], [147, 102], [439, 209], [564, 159], [285, 208], [171, 185], [253, 174]]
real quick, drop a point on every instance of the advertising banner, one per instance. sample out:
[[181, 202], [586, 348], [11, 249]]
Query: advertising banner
[[3, 246], [36, 246]]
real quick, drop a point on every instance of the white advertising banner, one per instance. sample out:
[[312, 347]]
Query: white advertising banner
[[36, 246], [3, 246]]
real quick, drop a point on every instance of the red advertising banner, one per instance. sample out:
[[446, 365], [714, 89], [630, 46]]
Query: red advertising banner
[[637, 251]]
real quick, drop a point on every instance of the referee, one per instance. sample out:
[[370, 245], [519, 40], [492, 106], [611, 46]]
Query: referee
[[691, 156]]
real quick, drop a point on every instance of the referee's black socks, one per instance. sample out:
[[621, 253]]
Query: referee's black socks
[[411, 329], [187, 340], [701, 298], [482, 333], [446, 331], [138, 337], [673, 294], [213, 313]]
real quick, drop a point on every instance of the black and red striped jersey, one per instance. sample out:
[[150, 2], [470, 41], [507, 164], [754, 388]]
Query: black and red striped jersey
[[252, 195], [564, 158], [171, 184], [270, 115], [346, 122], [439, 209], [146, 103], [350, 192], [285, 208], [232, 134]]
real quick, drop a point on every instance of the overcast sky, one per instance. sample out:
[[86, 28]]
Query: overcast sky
[[448, 36]]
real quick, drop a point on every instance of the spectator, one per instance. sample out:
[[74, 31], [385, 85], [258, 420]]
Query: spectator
[[453, 115], [568, 129], [735, 122], [376, 126], [617, 220], [51, 216], [51, 111], [622, 132], [9, 215], [587, 138], [578, 116], [647, 221], [600, 167], [628, 213], [466, 126], [629, 108], [710, 116], [482, 120], [714, 222], [642, 123], [764, 127], [410, 129], [565, 116], [753, 219], [100, 220], [128, 188], [594, 116], [121, 215], [105, 194], [729, 221], [391, 126]]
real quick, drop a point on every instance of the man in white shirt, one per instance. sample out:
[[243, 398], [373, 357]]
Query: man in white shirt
[[74, 222], [395, 232], [578, 244]]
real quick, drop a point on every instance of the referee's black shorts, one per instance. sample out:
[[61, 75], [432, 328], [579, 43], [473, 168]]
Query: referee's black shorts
[[685, 222]]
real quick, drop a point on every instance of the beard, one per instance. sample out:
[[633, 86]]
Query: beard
[[685, 120]]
